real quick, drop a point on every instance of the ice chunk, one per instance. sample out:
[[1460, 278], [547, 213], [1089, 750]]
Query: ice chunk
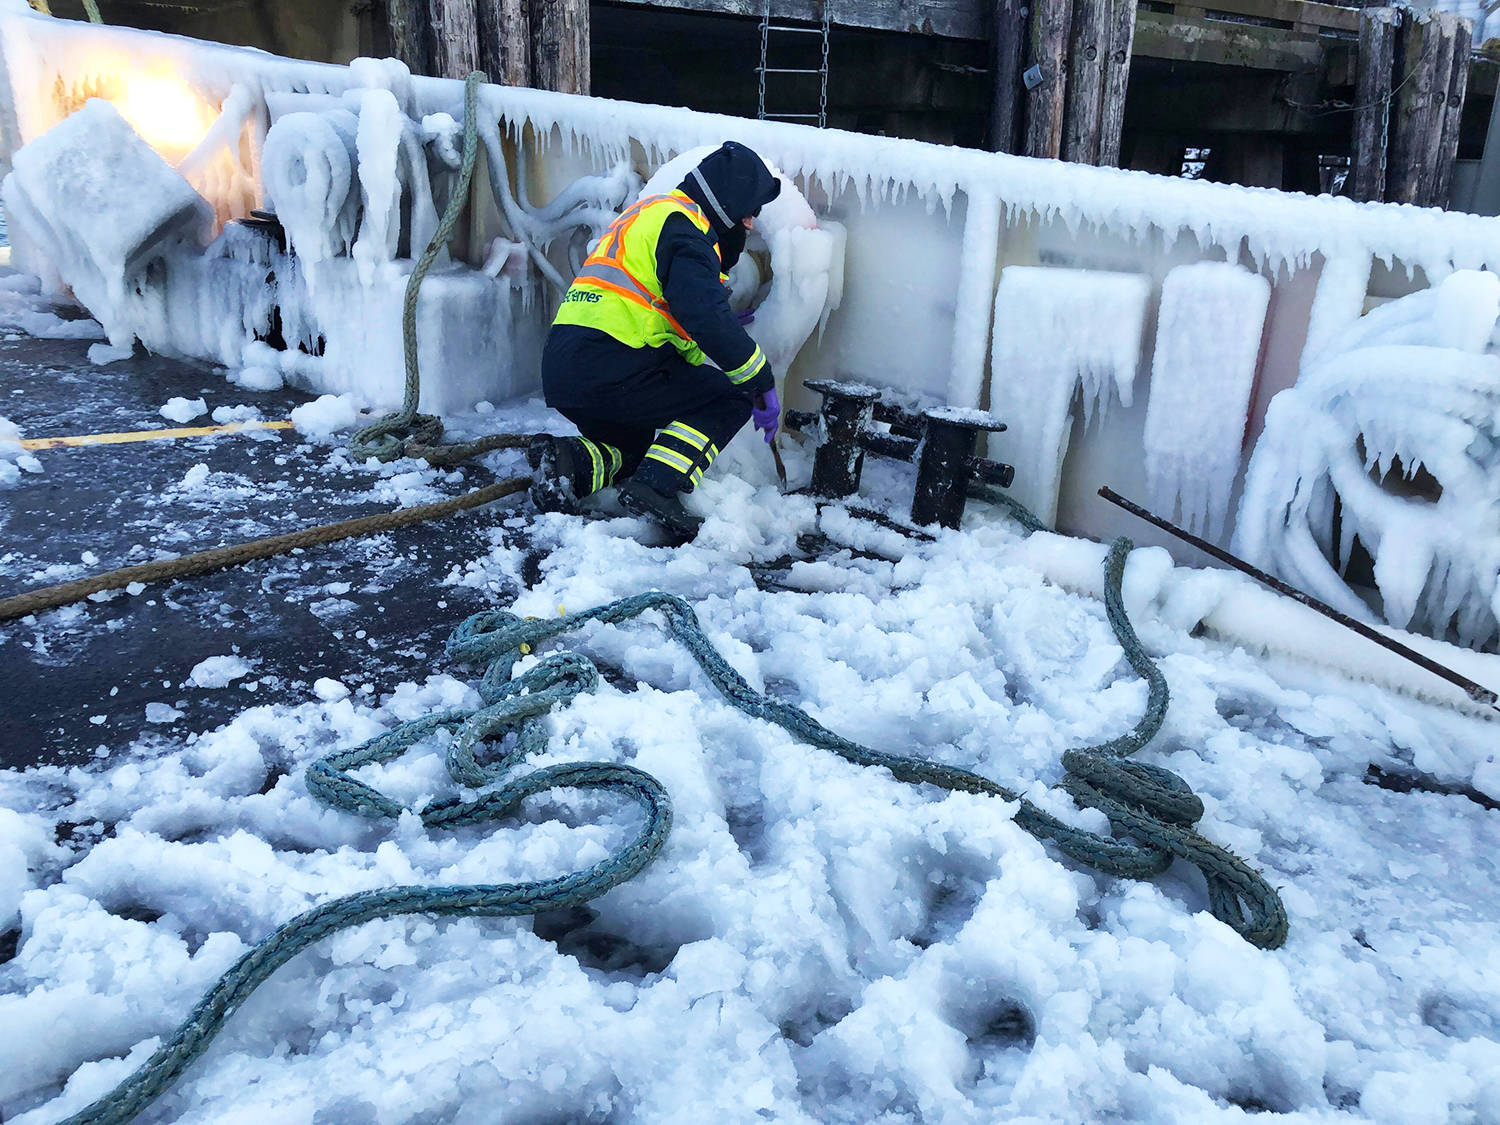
[[1055, 329], [326, 415], [218, 671], [101, 203], [1207, 348], [103, 354], [14, 459], [180, 410]]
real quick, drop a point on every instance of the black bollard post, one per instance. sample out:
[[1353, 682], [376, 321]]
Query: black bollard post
[[947, 464], [848, 410]]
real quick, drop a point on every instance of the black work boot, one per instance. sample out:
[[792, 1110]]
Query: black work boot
[[553, 466], [641, 498]]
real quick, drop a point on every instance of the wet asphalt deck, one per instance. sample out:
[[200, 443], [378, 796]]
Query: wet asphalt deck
[[77, 681]]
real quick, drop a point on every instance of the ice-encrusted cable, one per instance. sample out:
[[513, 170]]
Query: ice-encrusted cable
[[406, 433], [380, 439]]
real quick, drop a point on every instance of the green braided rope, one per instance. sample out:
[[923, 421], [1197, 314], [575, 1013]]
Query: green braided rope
[[510, 705], [380, 439], [91, 9], [1150, 808]]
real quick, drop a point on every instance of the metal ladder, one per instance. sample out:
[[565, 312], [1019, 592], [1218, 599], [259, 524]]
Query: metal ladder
[[767, 28]]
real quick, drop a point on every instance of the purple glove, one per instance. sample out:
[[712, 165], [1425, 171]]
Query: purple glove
[[745, 316], [766, 414]]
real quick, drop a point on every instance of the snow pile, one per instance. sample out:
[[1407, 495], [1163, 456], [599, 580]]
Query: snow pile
[[181, 410], [1207, 349], [327, 415], [816, 942], [14, 459], [1391, 441], [1057, 330]]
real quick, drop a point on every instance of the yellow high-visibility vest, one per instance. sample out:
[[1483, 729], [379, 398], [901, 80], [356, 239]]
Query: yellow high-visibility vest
[[618, 292]]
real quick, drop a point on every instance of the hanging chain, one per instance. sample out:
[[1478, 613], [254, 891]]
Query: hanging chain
[[765, 33], [823, 90]]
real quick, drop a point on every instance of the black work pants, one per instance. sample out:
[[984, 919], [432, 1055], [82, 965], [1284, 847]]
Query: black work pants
[[623, 396]]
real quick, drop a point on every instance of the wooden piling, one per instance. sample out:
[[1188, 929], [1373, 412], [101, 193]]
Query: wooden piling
[[1453, 111], [410, 37], [1009, 40], [1121, 27], [455, 37], [505, 41], [1051, 28], [1378, 28], [560, 45], [1088, 51], [1417, 121]]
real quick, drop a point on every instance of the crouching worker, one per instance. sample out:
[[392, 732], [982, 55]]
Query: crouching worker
[[645, 355]]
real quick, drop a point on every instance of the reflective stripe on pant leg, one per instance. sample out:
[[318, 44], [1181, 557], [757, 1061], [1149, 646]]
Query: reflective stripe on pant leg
[[685, 449], [605, 463]]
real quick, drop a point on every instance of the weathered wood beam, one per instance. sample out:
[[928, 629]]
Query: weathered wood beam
[[455, 37], [1378, 28], [951, 19], [560, 45], [409, 34], [505, 41], [1088, 51], [1164, 36], [1051, 25], [972, 19], [1453, 111], [1008, 44], [1427, 64], [1116, 80]]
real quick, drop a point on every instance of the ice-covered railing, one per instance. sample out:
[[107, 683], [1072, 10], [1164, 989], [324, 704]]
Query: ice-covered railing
[[44, 56], [931, 231]]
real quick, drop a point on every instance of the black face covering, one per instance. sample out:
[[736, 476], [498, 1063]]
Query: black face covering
[[732, 245]]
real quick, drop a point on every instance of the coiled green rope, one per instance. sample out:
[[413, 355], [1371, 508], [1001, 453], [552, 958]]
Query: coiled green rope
[[510, 706], [1150, 808], [380, 440]]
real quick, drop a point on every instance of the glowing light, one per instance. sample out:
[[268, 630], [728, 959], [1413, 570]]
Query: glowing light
[[168, 116]]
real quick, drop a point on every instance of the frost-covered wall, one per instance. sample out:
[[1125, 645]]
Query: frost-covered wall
[[931, 235]]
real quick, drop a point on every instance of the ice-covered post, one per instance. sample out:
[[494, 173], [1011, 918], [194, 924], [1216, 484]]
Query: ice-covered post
[[975, 299]]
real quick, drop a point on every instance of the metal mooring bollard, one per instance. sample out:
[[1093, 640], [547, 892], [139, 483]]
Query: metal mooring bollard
[[940, 440], [848, 413], [948, 464]]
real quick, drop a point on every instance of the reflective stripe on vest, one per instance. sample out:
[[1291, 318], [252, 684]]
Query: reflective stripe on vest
[[617, 290]]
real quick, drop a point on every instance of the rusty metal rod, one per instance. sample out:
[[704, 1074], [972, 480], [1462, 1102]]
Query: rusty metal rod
[[1477, 692]]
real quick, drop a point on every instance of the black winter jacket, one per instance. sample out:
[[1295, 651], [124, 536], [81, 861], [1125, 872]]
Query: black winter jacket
[[581, 364]]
